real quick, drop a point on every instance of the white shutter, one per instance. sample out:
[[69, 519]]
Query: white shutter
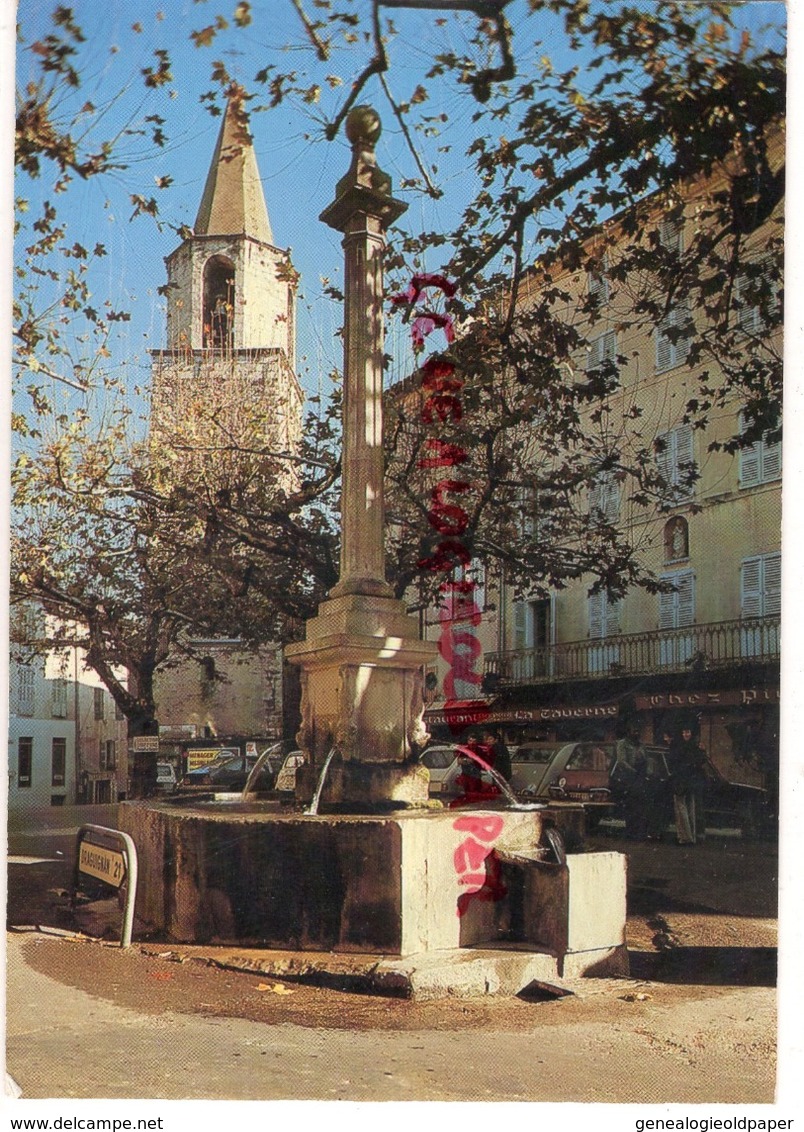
[[677, 608], [604, 497], [760, 462], [751, 588], [666, 456], [750, 466], [684, 458], [670, 234], [25, 690], [667, 610], [597, 625], [611, 612], [772, 585], [771, 453], [520, 625], [664, 350], [748, 313]]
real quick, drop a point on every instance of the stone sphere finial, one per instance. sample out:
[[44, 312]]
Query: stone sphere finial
[[363, 124]]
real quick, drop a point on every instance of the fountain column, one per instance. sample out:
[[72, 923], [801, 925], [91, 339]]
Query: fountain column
[[361, 660]]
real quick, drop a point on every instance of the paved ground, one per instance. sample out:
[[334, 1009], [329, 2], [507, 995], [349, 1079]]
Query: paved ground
[[695, 1022]]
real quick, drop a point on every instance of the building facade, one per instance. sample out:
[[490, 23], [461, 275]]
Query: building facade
[[573, 663], [67, 741]]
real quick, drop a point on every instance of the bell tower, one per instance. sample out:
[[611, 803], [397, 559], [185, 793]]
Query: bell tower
[[225, 402], [231, 299]]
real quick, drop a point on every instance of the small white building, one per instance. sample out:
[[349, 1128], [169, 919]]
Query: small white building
[[66, 740]]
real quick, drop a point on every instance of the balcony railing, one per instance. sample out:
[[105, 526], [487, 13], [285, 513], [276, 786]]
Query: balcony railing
[[693, 648]]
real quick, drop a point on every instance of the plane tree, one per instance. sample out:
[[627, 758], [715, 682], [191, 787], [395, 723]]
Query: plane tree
[[605, 135]]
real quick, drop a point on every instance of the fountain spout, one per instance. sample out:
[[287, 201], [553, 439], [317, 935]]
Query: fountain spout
[[510, 797], [312, 809], [255, 771]]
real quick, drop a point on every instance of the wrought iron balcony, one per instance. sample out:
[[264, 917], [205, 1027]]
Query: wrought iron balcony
[[694, 648]]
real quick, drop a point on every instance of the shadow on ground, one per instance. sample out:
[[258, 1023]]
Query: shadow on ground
[[707, 966]]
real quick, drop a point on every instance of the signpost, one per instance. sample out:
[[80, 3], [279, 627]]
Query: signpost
[[109, 856], [145, 744]]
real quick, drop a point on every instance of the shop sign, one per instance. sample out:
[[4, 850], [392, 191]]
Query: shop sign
[[145, 744], [471, 715], [203, 756], [730, 697]]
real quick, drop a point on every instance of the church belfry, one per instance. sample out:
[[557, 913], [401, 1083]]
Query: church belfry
[[231, 297], [226, 410], [231, 288]]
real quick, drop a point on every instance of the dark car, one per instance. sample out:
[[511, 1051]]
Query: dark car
[[227, 775], [582, 772]]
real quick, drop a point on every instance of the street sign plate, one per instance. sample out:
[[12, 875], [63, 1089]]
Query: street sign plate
[[145, 744], [105, 864]]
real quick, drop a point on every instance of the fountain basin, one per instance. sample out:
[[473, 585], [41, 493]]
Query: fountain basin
[[397, 884]]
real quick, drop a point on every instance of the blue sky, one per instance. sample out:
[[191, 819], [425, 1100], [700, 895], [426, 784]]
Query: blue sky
[[299, 168]]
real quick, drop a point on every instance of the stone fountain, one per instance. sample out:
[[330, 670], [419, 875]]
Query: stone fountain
[[378, 871]]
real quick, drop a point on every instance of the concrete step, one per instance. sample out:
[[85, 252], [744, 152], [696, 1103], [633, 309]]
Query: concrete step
[[496, 969]]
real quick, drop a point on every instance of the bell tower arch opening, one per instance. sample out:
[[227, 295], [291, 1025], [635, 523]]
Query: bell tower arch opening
[[218, 303]]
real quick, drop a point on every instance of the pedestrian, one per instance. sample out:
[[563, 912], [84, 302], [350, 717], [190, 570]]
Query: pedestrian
[[501, 759], [470, 780], [628, 781], [688, 777]]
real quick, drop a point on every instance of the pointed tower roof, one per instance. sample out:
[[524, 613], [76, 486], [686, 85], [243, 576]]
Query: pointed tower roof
[[233, 203]]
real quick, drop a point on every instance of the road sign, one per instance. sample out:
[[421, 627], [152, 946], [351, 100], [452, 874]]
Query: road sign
[[145, 744], [105, 864], [112, 865]]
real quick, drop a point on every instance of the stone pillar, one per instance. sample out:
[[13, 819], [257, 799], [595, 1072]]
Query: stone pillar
[[362, 658]]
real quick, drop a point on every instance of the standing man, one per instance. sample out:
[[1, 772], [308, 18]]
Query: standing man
[[688, 777], [502, 759]]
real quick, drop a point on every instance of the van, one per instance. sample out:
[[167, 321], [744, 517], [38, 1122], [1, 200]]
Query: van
[[166, 780]]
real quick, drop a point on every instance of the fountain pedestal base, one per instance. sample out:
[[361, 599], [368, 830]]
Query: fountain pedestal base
[[398, 885], [361, 676]]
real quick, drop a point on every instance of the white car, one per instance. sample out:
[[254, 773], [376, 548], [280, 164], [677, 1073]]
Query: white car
[[166, 781], [438, 761], [286, 779], [530, 765]]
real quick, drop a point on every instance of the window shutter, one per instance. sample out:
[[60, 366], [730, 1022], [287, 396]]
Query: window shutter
[[664, 350], [667, 609], [749, 466], [748, 312], [772, 595], [596, 621], [751, 587], [685, 600], [771, 460], [684, 459], [611, 610], [520, 625], [670, 234], [665, 456]]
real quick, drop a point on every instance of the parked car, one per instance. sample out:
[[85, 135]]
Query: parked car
[[438, 760], [227, 775], [530, 764], [450, 789], [286, 778], [581, 772], [166, 781], [273, 759]]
